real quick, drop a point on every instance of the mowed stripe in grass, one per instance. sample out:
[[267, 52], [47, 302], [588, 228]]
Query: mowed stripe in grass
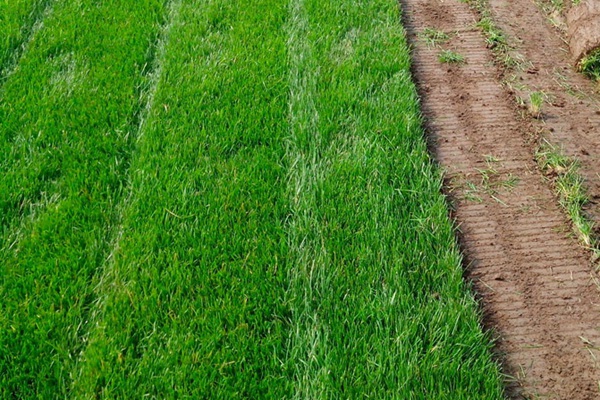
[[378, 304], [68, 117], [192, 302], [17, 21]]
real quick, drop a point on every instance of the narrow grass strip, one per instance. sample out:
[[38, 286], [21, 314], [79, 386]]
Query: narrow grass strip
[[378, 305], [108, 276], [68, 116], [19, 19], [308, 347], [571, 190], [192, 305]]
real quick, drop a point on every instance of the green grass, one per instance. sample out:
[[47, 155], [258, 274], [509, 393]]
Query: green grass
[[236, 202], [590, 65], [450, 57], [433, 37], [376, 284], [193, 301], [17, 21], [68, 116], [536, 103], [571, 190]]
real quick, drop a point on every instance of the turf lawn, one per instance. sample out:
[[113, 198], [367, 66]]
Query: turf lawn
[[219, 199]]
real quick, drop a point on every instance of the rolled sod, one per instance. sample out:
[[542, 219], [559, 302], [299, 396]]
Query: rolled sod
[[584, 30]]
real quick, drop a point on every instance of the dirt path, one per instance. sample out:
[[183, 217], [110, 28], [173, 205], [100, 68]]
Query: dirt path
[[536, 284], [571, 115]]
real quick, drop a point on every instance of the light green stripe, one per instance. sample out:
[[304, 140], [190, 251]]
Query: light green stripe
[[308, 347], [379, 308]]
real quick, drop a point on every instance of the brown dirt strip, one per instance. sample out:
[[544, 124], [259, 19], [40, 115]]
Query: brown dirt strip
[[571, 116], [536, 284]]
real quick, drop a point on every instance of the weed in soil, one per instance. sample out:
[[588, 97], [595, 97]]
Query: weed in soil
[[433, 37], [590, 65], [451, 57]]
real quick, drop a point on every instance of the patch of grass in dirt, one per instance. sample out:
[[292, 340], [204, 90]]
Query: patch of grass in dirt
[[555, 12], [495, 39], [451, 57], [433, 37], [571, 190], [536, 103], [590, 65], [489, 181]]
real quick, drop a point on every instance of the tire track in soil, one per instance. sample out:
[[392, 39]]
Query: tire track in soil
[[535, 283]]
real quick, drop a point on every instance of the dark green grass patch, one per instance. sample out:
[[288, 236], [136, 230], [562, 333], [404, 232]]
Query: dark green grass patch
[[68, 116], [590, 65], [192, 303], [17, 21]]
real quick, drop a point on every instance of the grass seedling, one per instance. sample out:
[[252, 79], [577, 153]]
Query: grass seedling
[[536, 102], [433, 37], [494, 36], [472, 193], [566, 85], [491, 182], [451, 57], [554, 10]]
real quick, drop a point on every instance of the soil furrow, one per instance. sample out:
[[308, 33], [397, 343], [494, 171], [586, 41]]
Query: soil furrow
[[544, 251], [539, 315], [533, 227]]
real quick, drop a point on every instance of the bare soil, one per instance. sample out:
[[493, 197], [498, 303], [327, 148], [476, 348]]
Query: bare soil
[[537, 287], [571, 114]]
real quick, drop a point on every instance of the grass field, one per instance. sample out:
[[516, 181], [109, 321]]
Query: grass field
[[18, 20], [215, 199]]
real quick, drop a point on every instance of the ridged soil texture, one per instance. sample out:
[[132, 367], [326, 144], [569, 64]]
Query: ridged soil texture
[[536, 284]]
